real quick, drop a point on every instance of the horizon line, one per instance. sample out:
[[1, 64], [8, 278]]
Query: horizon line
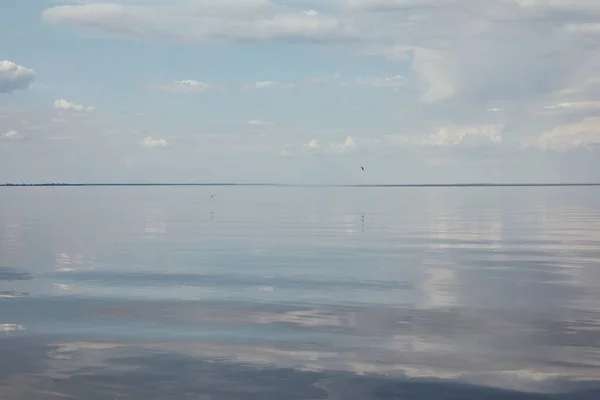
[[382, 185]]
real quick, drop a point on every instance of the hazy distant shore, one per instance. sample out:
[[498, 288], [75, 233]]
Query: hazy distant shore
[[298, 185]]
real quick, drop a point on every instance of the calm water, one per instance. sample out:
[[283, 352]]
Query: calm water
[[299, 293]]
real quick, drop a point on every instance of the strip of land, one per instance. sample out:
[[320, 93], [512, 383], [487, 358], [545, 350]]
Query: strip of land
[[298, 185]]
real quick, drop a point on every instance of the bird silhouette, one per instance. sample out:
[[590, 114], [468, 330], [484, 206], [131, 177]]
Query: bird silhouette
[[210, 198], [363, 168]]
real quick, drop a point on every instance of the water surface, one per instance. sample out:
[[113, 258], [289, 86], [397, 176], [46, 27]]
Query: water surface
[[299, 293]]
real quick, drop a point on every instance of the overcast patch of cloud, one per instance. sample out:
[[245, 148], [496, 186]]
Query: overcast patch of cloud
[[14, 77]]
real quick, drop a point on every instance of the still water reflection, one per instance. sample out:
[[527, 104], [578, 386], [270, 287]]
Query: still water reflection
[[299, 293]]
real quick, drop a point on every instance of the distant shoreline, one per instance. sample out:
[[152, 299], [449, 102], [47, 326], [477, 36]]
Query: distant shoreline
[[299, 185]]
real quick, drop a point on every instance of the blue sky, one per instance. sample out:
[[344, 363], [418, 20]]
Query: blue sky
[[299, 91]]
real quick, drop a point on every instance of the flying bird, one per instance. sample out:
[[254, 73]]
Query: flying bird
[[363, 168], [210, 198]]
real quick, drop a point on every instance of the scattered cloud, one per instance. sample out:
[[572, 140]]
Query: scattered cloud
[[579, 105], [463, 49], [388, 81], [384, 5], [334, 81], [14, 77], [561, 138], [466, 69], [13, 135], [316, 147], [268, 85], [265, 84], [63, 104], [185, 86], [203, 21], [150, 142], [260, 122], [466, 135], [478, 51], [312, 145]]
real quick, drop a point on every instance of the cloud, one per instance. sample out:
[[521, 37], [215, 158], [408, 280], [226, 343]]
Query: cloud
[[260, 122], [63, 104], [269, 85], [13, 135], [584, 134], [479, 51], [202, 21], [312, 145], [384, 5], [578, 105], [315, 147], [470, 50], [150, 142], [14, 77], [388, 81], [476, 76], [466, 135], [265, 84], [349, 144], [334, 81], [186, 86]]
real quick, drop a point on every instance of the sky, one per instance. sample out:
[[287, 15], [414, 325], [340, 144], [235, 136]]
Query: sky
[[304, 91]]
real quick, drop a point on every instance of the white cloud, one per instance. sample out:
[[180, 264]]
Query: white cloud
[[260, 122], [435, 69], [561, 138], [150, 142], [265, 84], [185, 86], [466, 135], [584, 28], [312, 145], [578, 105], [335, 81], [269, 85], [14, 77], [562, 5], [13, 135], [201, 21], [472, 50], [316, 147], [385, 5], [477, 51], [348, 145], [388, 81], [63, 104], [468, 67]]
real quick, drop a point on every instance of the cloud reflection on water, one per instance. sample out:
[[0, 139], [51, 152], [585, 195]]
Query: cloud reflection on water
[[497, 288]]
